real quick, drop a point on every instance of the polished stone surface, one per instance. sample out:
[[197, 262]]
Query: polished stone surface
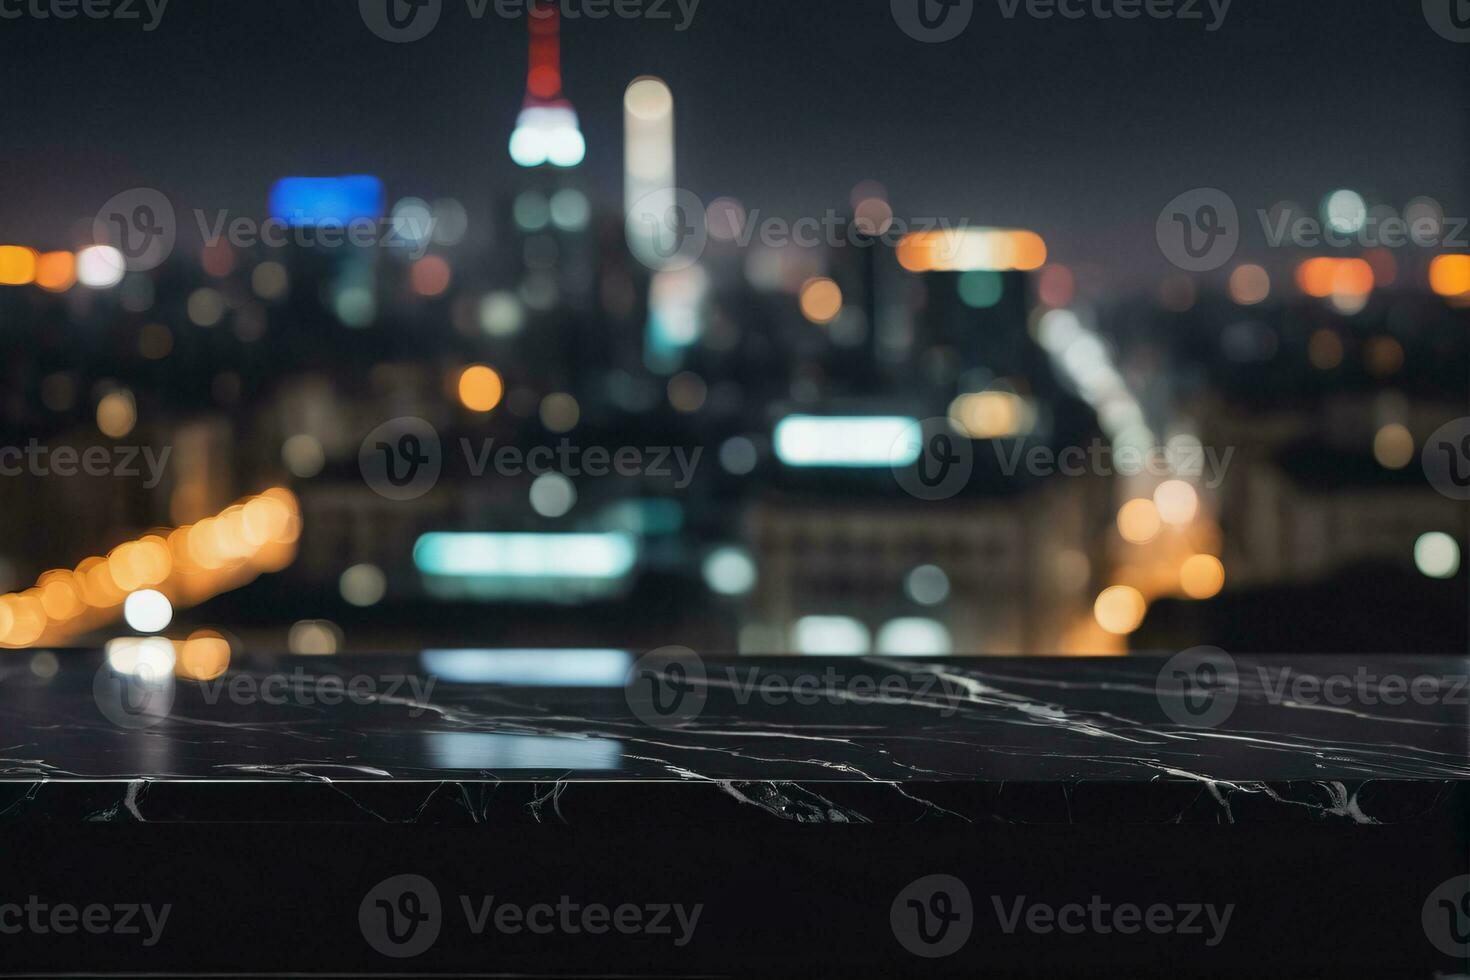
[[467, 737], [357, 816]]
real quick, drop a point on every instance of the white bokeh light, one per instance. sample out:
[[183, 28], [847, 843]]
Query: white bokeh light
[[148, 611], [729, 571], [100, 267], [1437, 555]]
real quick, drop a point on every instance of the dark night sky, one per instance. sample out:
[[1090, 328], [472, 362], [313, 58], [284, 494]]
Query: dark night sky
[[1081, 130]]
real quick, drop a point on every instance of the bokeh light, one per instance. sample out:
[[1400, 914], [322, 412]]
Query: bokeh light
[[363, 585], [1250, 285], [1202, 576], [1120, 609], [821, 300], [1177, 502], [560, 412], [729, 571], [927, 585], [100, 267], [480, 388], [1139, 521], [1393, 446], [1437, 555], [117, 414], [148, 611], [553, 495], [17, 265]]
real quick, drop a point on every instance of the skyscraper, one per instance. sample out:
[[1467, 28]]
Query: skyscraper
[[547, 132]]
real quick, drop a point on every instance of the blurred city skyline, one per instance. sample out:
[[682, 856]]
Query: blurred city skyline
[[888, 291], [1081, 130]]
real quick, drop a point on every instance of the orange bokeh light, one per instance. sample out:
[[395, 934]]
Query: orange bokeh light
[[821, 300], [480, 388], [972, 249], [188, 564], [1449, 275], [17, 265], [56, 271], [1323, 277]]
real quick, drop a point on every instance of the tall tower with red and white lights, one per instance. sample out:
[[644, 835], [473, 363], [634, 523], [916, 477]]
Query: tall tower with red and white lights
[[547, 132]]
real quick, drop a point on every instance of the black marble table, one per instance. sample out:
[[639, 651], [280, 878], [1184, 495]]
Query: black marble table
[[589, 813]]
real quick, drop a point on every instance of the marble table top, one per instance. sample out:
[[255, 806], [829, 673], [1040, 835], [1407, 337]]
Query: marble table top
[[1199, 736]]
